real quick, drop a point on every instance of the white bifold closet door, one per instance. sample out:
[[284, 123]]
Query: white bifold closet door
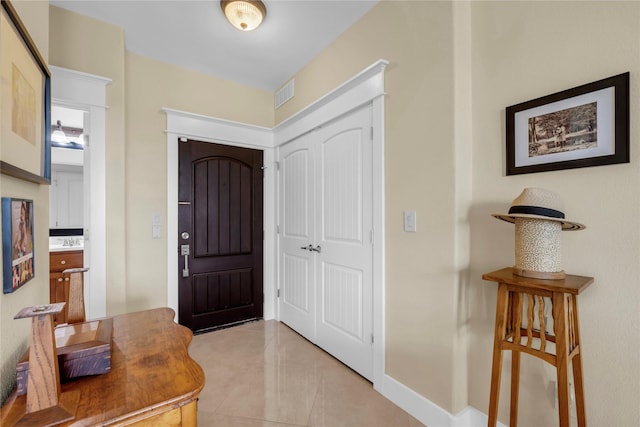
[[326, 238]]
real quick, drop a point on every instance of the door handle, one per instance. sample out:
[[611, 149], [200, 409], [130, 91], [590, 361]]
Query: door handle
[[184, 250], [316, 249]]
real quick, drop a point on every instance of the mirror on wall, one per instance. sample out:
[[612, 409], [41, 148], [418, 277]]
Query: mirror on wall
[[66, 194]]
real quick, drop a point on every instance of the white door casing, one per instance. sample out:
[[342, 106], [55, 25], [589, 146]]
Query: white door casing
[[326, 249], [87, 92]]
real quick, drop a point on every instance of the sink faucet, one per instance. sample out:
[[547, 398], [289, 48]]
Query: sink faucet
[[71, 242]]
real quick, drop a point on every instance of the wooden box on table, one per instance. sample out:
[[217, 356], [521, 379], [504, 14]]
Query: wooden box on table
[[83, 349]]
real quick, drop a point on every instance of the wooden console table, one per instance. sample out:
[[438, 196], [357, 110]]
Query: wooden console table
[[514, 333], [153, 380]]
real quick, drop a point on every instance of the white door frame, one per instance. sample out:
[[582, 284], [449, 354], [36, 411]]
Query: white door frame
[[181, 124], [366, 87], [307, 159], [87, 92]]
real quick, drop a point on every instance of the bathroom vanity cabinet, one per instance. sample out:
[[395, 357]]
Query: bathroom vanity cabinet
[[58, 282]]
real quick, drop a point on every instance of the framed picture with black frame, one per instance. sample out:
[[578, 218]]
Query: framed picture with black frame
[[584, 126], [25, 128]]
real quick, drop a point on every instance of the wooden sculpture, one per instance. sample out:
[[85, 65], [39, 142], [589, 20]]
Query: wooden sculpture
[[46, 405]]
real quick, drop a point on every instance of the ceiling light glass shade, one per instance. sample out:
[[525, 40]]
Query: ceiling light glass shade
[[245, 15]]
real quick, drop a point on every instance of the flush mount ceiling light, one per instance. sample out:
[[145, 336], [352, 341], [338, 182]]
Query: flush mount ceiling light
[[245, 15]]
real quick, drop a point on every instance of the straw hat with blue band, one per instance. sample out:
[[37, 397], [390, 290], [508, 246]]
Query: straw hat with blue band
[[538, 203]]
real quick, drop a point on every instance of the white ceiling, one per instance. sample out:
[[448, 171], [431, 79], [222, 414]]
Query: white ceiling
[[195, 34]]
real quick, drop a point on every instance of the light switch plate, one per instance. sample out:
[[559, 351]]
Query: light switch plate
[[410, 221]]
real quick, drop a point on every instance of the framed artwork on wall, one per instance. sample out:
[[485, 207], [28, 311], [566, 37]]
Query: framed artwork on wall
[[17, 243], [25, 93], [584, 126]]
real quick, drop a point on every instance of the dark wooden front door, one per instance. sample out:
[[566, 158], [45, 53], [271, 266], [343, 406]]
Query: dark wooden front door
[[220, 225]]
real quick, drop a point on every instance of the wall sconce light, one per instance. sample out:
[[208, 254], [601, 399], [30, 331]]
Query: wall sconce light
[[245, 15], [58, 135]]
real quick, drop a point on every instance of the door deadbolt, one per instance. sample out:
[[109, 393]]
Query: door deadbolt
[[185, 235]]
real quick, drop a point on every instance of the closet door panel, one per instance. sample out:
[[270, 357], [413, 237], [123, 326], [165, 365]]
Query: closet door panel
[[297, 298], [326, 285], [344, 221], [342, 196]]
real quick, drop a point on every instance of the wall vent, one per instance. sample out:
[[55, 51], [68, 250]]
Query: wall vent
[[284, 94]]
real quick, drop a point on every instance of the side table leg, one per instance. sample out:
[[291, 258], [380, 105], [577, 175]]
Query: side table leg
[[577, 368], [494, 397], [496, 366], [515, 389], [577, 379], [560, 318]]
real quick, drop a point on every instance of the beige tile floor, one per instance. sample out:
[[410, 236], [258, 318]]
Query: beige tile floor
[[263, 374]]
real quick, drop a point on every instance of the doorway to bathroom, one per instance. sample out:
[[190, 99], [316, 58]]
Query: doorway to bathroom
[[76, 94]]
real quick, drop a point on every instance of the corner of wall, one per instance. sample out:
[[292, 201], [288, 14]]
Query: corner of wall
[[462, 94]]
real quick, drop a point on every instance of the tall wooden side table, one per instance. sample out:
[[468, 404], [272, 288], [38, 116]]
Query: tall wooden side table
[[529, 335]]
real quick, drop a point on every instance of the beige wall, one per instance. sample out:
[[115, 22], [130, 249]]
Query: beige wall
[[14, 334], [152, 85], [523, 50]]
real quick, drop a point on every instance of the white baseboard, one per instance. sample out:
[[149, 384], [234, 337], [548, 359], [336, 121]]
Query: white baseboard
[[426, 411], [470, 416]]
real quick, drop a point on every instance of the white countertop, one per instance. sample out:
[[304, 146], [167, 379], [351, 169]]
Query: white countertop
[[66, 243]]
